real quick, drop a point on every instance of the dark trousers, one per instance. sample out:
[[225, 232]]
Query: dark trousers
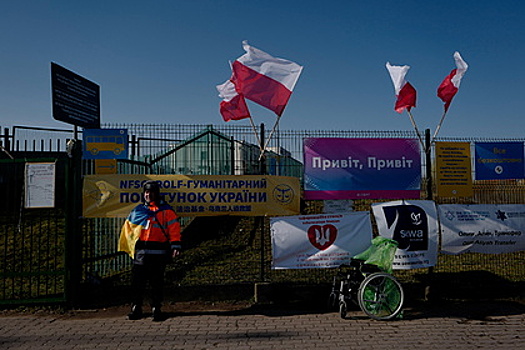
[[151, 270]]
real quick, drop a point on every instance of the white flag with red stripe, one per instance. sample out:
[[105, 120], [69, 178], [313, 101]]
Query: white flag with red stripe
[[264, 79], [233, 106], [450, 85], [405, 92]]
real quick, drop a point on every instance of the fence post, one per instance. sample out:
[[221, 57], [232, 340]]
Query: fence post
[[232, 155], [262, 171], [430, 196], [73, 226], [428, 148], [133, 143], [7, 144]]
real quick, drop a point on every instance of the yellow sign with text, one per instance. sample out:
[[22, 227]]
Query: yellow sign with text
[[454, 176], [199, 195]]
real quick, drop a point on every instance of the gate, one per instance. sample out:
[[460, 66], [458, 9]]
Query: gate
[[34, 248]]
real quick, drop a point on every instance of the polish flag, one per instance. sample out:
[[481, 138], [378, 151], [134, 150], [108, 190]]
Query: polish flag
[[406, 94], [264, 79], [450, 86], [233, 106]]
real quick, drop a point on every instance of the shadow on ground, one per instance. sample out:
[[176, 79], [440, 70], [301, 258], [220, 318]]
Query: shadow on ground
[[483, 311], [470, 302]]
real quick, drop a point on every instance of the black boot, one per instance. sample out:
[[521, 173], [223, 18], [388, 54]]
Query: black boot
[[136, 313], [158, 315]]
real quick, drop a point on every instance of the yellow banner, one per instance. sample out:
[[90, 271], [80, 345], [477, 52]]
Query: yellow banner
[[199, 195], [454, 177]]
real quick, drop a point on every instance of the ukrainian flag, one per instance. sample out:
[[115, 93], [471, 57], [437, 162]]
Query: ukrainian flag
[[130, 232]]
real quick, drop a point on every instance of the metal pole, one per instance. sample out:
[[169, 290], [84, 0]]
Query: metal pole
[[73, 225], [428, 148], [232, 155], [262, 171], [262, 158], [133, 146]]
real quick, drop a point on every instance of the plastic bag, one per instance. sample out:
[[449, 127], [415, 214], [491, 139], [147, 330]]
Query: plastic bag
[[380, 253]]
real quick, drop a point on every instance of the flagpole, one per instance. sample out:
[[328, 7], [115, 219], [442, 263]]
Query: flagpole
[[270, 136], [415, 127], [256, 134], [6, 152], [439, 126]]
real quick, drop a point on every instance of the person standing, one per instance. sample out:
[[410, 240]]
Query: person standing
[[151, 235]]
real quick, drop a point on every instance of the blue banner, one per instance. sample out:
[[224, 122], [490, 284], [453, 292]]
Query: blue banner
[[499, 161]]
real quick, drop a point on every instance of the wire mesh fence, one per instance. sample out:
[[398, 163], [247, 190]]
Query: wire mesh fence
[[239, 251], [32, 239]]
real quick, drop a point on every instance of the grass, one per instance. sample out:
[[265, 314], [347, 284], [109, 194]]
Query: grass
[[32, 255], [219, 251]]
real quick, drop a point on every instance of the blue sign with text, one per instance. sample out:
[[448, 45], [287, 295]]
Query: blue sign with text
[[499, 160]]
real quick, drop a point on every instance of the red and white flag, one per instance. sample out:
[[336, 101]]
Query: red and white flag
[[233, 106], [406, 94], [450, 85], [264, 79]]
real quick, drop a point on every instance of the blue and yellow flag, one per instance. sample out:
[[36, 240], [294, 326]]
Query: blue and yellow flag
[[130, 232]]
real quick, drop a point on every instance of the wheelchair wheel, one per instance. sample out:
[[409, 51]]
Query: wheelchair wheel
[[380, 296], [332, 300]]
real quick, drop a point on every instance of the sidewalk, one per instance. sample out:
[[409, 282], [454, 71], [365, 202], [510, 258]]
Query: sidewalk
[[473, 325]]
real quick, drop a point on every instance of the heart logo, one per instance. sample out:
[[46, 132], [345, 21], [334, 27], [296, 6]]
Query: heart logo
[[322, 237]]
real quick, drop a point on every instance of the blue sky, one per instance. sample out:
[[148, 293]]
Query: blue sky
[[159, 61]]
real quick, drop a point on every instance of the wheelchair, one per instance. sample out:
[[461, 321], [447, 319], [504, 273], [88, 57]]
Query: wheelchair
[[377, 293]]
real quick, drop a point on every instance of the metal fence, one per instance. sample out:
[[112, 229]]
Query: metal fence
[[460, 270], [32, 240], [238, 250]]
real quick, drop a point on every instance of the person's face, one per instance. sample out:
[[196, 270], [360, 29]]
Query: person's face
[[150, 196]]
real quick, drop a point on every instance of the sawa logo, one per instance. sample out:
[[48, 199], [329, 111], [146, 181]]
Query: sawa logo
[[416, 218], [408, 225], [322, 237]]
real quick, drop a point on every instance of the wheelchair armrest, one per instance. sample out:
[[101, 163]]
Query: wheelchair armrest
[[357, 263], [370, 268]]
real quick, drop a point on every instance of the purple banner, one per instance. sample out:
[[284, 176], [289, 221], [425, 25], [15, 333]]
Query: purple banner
[[342, 168]]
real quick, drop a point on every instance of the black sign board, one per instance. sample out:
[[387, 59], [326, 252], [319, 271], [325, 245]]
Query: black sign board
[[76, 100]]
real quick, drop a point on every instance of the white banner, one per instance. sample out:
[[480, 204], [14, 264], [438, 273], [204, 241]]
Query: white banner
[[319, 241], [414, 225], [40, 185], [482, 228]]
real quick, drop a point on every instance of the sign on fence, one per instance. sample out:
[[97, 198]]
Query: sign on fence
[[414, 225], [105, 144], [319, 241], [482, 228], [343, 168], [198, 195], [499, 160], [454, 178], [40, 185]]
